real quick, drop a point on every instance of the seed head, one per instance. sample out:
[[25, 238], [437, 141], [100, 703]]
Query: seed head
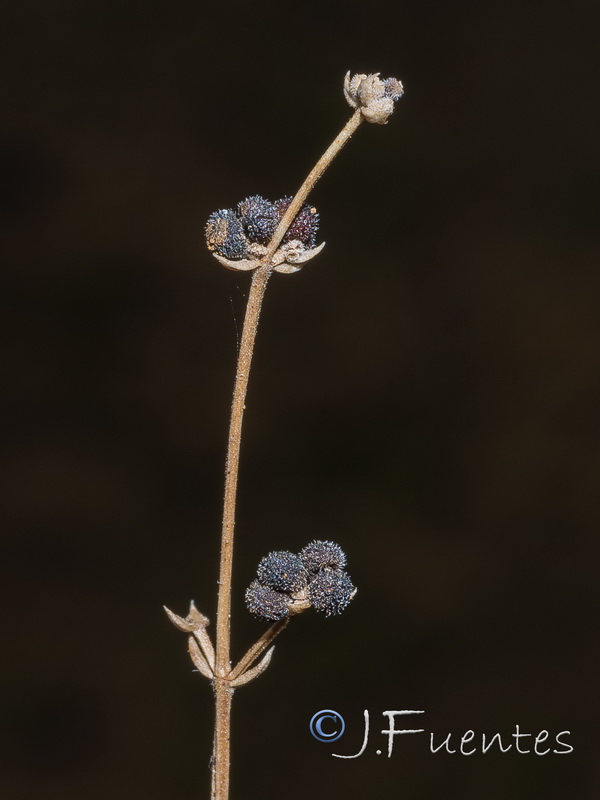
[[258, 217], [330, 591], [375, 97], [266, 603], [283, 571], [305, 224], [225, 234], [319, 554]]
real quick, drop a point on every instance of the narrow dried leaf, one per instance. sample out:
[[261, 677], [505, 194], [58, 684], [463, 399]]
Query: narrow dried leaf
[[198, 659], [179, 622], [250, 674], [243, 264], [206, 645], [193, 622]]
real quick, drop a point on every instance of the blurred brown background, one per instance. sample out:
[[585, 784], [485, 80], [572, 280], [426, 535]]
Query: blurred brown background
[[425, 393]]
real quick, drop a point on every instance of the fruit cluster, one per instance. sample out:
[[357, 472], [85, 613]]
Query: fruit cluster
[[315, 577], [231, 233]]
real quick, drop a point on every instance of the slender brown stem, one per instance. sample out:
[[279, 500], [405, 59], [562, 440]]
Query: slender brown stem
[[259, 647], [223, 692], [258, 286], [220, 760], [260, 277], [313, 176]]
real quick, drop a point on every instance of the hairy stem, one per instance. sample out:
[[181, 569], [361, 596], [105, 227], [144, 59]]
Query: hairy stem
[[260, 277], [223, 691], [313, 176]]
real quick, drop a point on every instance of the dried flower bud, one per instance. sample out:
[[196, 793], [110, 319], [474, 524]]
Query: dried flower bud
[[330, 591], [375, 97], [305, 224], [259, 218], [266, 603], [225, 235], [393, 88], [319, 554], [283, 571]]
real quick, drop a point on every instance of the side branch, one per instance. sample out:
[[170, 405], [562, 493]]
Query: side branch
[[334, 148], [258, 648], [260, 278]]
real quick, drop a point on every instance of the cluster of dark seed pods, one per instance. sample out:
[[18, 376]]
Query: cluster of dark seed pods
[[315, 577], [231, 233]]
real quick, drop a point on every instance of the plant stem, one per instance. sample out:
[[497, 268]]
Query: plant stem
[[313, 176], [223, 692], [260, 277]]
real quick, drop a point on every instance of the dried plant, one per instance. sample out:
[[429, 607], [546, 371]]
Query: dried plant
[[265, 237]]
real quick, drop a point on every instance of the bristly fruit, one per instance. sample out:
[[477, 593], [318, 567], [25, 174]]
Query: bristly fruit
[[305, 225], [225, 234], [259, 218], [266, 603], [330, 591], [283, 571], [320, 554]]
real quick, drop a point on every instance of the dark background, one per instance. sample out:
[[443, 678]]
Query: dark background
[[425, 392]]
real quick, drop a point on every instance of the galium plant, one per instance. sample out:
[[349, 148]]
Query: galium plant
[[264, 237]]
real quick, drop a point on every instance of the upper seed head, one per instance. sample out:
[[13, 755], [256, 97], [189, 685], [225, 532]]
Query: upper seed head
[[375, 97]]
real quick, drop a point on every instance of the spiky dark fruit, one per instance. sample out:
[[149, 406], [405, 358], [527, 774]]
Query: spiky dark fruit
[[320, 554], [283, 571], [305, 224], [258, 217], [225, 235], [266, 603], [330, 591]]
